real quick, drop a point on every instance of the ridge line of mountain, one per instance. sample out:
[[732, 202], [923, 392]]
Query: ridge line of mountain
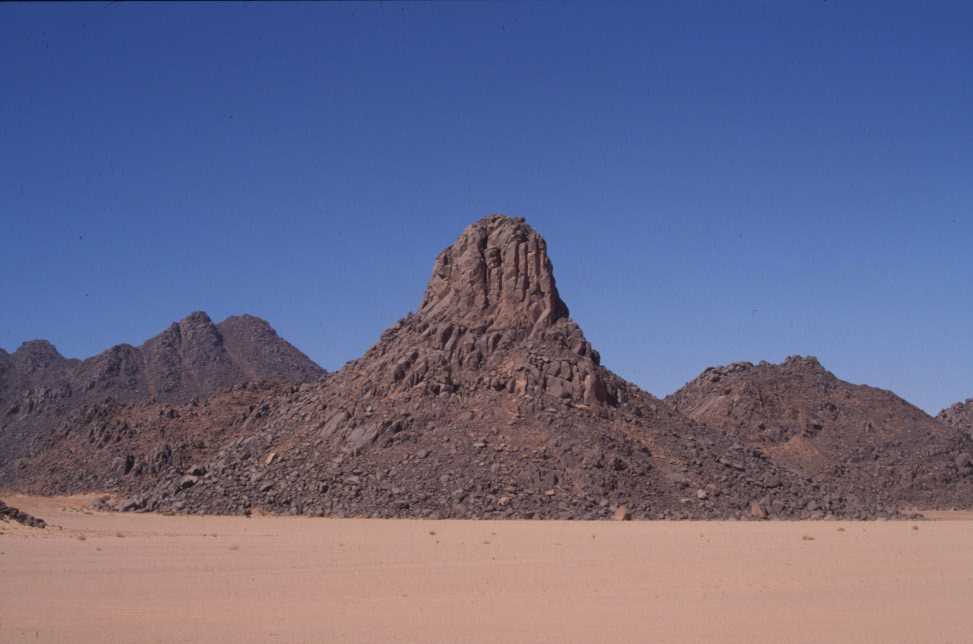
[[189, 359], [488, 401]]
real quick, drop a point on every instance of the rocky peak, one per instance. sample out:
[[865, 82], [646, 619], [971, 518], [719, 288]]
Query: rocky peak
[[257, 348], [37, 354], [197, 326], [496, 275], [195, 337], [959, 415], [491, 318], [807, 363], [247, 321], [726, 378], [715, 374], [192, 358], [806, 419]]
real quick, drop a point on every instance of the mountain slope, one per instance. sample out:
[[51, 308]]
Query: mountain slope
[[193, 358], [487, 402], [858, 437]]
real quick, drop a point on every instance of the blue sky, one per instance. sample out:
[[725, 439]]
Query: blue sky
[[716, 181]]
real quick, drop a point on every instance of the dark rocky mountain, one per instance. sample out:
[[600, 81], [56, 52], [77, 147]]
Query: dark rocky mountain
[[959, 416], [805, 419], [486, 402], [193, 358]]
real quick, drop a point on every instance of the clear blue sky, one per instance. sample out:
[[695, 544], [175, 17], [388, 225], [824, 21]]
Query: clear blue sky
[[716, 181]]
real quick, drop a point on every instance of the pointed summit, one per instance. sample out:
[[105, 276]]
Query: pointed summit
[[37, 354], [492, 319], [496, 274], [257, 349]]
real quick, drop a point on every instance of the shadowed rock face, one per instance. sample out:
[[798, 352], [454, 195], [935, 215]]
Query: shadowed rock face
[[486, 402], [959, 416], [805, 419], [259, 353], [35, 364], [188, 358], [193, 358]]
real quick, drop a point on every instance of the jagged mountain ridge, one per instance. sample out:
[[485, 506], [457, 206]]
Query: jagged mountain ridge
[[486, 402], [806, 419], [192, 358]]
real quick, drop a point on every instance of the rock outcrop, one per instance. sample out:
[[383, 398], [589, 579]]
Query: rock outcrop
[[959, 416], [8, 513], [491, 318], [860, 439]]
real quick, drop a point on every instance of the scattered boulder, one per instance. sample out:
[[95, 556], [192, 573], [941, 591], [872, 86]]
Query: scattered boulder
[[132, 504], [621, 514], [757, 510], [8, 513]]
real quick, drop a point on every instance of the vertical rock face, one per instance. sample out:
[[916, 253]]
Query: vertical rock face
[[497, 275], [491, 318]]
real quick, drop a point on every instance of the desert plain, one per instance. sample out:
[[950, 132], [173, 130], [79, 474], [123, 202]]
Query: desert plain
[[121, 577]]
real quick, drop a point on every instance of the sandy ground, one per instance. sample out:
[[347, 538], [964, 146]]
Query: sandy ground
[[97, 577]]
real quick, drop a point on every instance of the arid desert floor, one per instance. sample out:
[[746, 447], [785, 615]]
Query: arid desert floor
[[100, 577]]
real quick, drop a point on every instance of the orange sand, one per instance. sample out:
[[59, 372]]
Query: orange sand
[[95, 577]]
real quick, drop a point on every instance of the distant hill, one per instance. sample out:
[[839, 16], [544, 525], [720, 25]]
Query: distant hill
[[854, 436], [191, 359]]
